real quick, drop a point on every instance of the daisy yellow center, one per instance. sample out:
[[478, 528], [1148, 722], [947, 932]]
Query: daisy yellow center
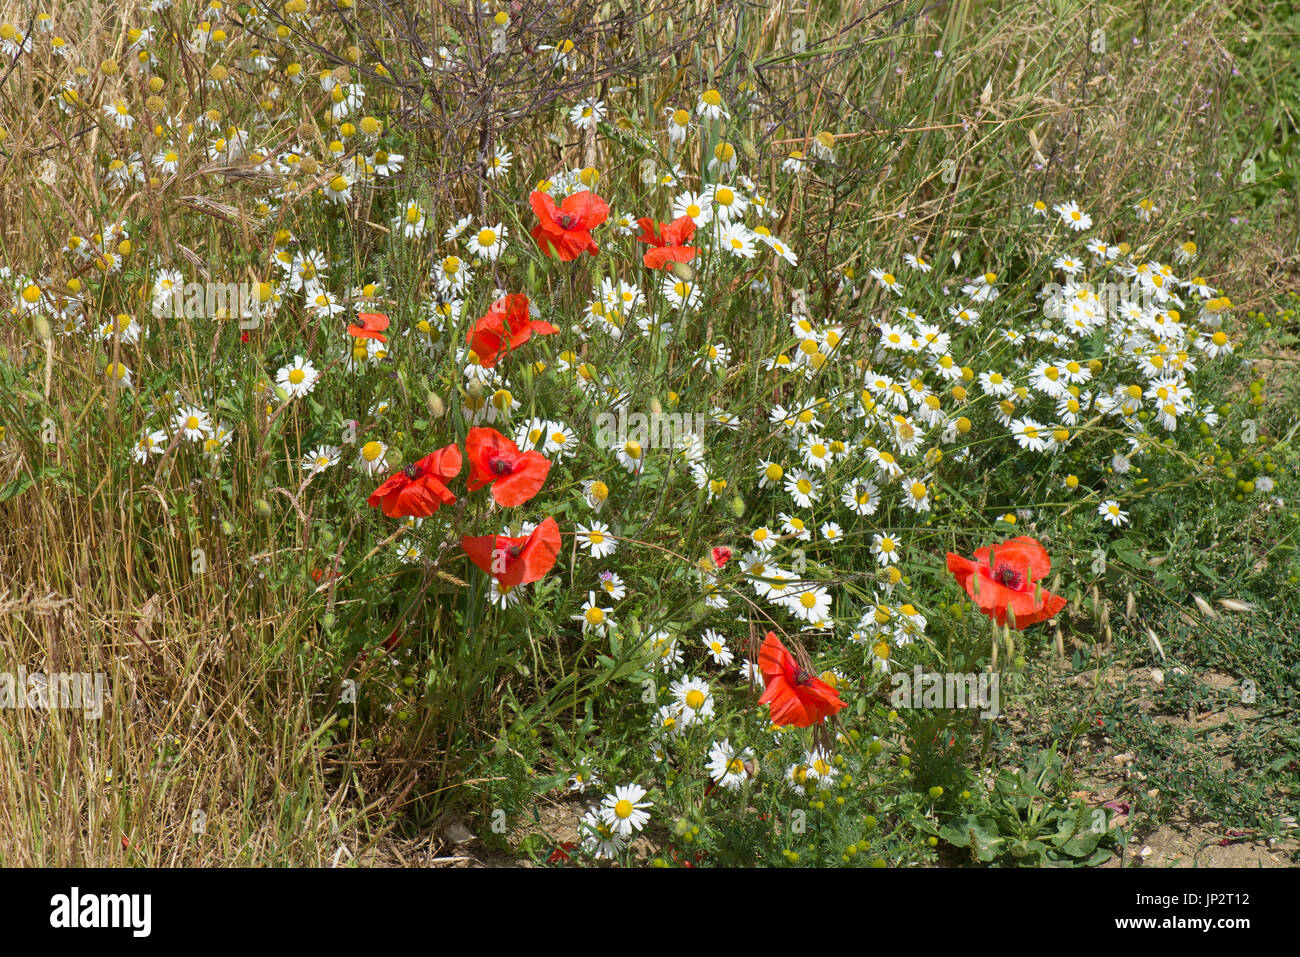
[[296, 376], [371, 451], [486, 237], [712, 97], [595, 616], [695, 699], [623, 809]]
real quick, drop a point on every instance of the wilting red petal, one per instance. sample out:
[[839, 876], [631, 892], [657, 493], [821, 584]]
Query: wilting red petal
[[721, 555], [564, 245], [372, 324], [405, 496], [390, 486], [662, 256], [506, 327], [444, 463], [419, 499], [516, 561], [793, 701]]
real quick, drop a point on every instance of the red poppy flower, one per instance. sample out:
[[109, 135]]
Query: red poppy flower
[[721, 555], [669, 240], [516, 561], [561, 852], [495, 460], [372, 325], [418, 490], [796, 696], [565, 231], [506, 326], [1007, 576]]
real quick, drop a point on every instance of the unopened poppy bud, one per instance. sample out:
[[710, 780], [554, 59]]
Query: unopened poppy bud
[[475, 388], [683, 272], [262, 506], [437, 408], [42, 327], [227, 527], [738, 506], [327, 620]]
